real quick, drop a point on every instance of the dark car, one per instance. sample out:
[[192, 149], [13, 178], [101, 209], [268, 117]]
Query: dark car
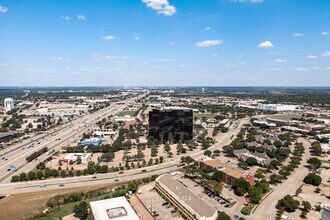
[[120, 172], [142, 171], [94, 177], [61, 185], [116, 180]]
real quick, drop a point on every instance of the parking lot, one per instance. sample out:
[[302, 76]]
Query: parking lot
[[156, 204], [214, 201]]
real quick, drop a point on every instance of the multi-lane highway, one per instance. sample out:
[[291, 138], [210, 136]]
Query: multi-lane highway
[[63, 136], [90, 180]]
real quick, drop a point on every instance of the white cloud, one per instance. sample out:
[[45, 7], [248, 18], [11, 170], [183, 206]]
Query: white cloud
[[326, 54], [167, 60], [297, 35], [215, 55], [265, 44], [136, 38], [273, 69], [171, 43], [207, 28], [3, 9], [301, 69], [109, 37], [81, 17], [56, 58], [67, 18], [315, 68], [280, 61], [208, 43], [161, 6], [109, 58], [327, 68], [231, 66], [312, 57], [324, 33]]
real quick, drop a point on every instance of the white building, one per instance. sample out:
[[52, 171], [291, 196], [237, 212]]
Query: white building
[[126, 118], [9, 104], [85, 157], [277, 107], [115, 208]]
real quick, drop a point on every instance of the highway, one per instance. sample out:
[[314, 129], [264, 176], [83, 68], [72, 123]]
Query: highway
[[108, 178], [63, 137]]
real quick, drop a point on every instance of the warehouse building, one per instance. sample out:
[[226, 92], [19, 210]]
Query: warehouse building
[[184, 200]]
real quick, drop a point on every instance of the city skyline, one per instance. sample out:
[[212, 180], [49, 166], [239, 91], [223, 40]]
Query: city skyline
[[165, 43]]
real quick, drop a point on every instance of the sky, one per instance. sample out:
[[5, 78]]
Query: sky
[[164, 43]]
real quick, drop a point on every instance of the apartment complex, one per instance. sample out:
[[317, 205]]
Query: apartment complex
[[230, 173], [188, 203]]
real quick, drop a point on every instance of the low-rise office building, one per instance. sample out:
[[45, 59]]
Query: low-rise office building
[[230, 173], [85, 157], [115, 208], [187, 202]]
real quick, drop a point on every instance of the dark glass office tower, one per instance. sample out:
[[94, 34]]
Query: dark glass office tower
[[171, 125]]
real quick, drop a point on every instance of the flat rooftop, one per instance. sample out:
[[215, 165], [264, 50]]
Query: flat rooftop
[[186, 197], [115, 208]]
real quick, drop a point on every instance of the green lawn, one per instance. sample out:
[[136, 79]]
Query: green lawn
[[247, 209], [130, 113], [68, 208]]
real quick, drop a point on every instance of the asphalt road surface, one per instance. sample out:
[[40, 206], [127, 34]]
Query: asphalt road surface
[[74, 182]]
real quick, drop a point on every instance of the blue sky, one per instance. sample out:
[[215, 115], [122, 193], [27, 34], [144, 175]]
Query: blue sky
[[165, 43]]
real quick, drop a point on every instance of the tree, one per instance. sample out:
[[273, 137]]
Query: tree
[[251, 161], [30, 125], [15, 178], [263, 185], [216, 152], [217, 188], [31, 175], [313, 179], [316, 148], [288, 204], [161, 159], [207, 153], [81, 210], [23, 177], [314, 162], [241, 186], [154, 151], [307, 206], [167, 148], [255, 194], [132, 186], [278, 143], [78, 160], [274, 178], [218, 176]]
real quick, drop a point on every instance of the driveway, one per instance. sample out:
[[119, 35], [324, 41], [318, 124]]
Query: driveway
[[266, 209]]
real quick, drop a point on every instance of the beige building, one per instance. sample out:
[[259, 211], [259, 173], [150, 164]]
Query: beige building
[[188, 203]]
